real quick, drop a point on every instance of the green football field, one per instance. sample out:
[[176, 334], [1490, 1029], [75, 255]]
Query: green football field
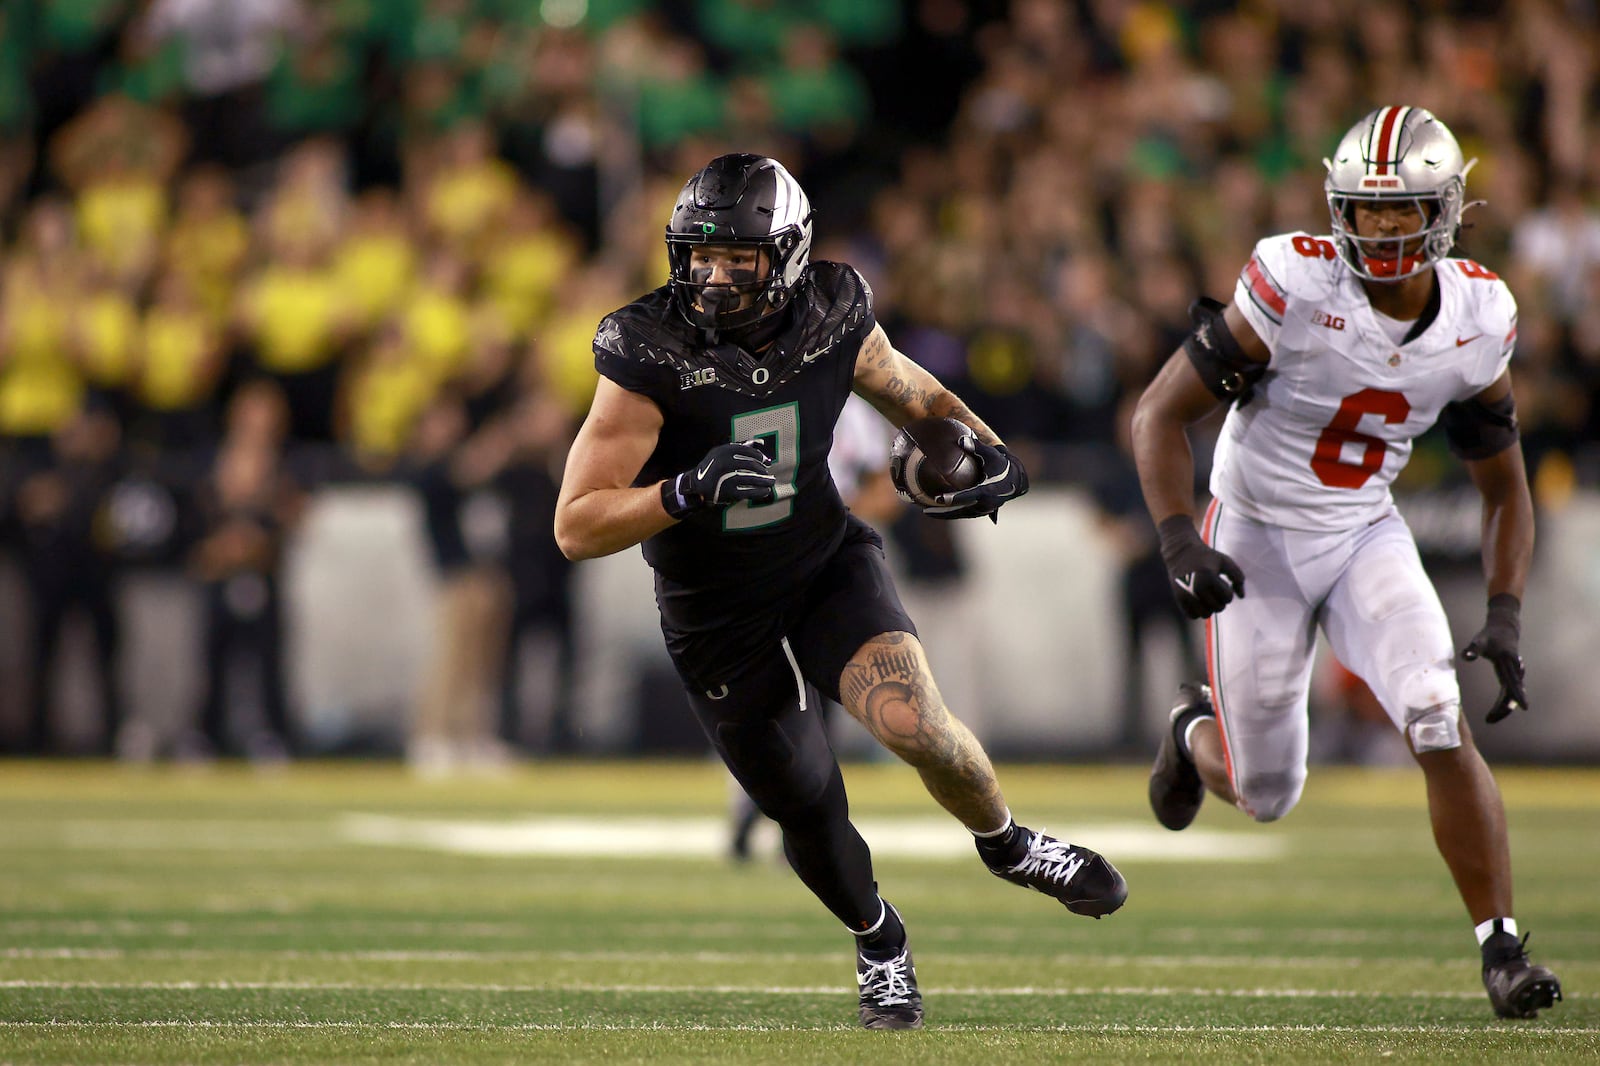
[[586, 913]]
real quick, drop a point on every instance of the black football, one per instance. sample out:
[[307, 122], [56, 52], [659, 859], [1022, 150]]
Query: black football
[[927, 460]]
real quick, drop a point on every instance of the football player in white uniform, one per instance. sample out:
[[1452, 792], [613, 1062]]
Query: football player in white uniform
[[1336, 353]]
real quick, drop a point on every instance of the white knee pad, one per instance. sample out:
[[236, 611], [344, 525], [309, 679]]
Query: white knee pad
[[1435, 728]]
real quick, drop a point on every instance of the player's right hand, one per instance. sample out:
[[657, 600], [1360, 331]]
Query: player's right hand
[[728, 473], [1204, 580]]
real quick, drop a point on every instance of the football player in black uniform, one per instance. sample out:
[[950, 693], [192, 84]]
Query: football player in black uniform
[[707, 442]]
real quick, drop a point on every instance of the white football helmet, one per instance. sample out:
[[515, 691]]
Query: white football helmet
[[1397, 153]]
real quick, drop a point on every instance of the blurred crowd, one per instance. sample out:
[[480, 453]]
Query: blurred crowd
[[251, 248]]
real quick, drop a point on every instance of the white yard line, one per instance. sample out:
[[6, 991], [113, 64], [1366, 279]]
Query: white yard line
[[737, 958], [769, 990], [931, 838], [1523, 1032], [920, 838], [315, 925], [1213, 935]]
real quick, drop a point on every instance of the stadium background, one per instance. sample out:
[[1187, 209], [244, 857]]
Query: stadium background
[[334, 267]]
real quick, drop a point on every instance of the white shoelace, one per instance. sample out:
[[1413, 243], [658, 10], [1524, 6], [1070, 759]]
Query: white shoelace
[[1051, 859], [886, 981]]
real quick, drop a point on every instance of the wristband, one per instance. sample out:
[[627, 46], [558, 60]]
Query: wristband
[[674, 502]]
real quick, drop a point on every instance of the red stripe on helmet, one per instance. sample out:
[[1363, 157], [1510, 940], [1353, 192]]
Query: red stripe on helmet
[[1380, 150]]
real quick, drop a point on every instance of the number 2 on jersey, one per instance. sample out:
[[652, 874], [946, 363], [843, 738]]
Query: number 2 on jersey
[[1327, 460], [779, 427]]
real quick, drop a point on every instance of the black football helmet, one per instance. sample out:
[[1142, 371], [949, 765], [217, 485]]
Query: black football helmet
[[746, 200]]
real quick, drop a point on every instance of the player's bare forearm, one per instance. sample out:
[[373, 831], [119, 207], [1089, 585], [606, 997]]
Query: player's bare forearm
[[887, 687], [606, 521], [599, 512], [1161, 449], [1508, 526], [903, 391]]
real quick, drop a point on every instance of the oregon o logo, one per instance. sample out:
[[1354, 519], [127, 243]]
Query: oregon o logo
[[760, 375]]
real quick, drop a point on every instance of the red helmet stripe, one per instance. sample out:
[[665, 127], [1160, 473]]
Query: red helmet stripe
[[1386, 147]]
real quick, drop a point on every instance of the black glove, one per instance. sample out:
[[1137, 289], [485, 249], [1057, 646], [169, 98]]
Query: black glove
[[729, 473], [1003, 479], [1497, 641], [1203, 579]]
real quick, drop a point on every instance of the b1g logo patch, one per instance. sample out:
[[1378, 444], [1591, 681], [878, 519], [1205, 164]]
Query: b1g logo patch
[[1322, 318], [704, 376]]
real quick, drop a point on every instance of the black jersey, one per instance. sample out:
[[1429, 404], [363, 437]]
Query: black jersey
[[789, 397]]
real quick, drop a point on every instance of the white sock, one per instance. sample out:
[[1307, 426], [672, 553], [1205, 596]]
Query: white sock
[[1005, 825], [1487, 929]]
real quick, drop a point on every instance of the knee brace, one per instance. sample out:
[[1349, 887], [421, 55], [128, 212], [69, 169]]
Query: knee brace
[[1436, 728]]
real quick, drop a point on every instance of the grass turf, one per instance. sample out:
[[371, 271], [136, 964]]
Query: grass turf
[[169, 916]]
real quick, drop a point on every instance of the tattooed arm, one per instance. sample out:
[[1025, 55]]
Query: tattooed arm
[[903, 391]]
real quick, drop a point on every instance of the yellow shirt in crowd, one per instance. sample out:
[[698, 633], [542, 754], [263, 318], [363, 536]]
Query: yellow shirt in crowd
[[179, 346], [463, 203], [107, 324], [40, 385], [294, 314], [520, 276], [120, 222], [208, 252], [437, 330], [374, 271], [384, 401]]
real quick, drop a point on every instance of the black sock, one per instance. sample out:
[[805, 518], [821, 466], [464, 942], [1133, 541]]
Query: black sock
[[1500, 946], [886, 941], [1004, 849]]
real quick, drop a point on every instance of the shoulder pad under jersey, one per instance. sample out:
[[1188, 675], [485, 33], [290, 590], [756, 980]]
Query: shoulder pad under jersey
[[646, 346]]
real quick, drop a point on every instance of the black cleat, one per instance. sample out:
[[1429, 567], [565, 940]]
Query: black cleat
[[889, 996], [1175, 786], [1517, 988], [1081, 879]]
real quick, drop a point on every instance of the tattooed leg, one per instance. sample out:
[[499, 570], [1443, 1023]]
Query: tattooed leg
[[887, 687]]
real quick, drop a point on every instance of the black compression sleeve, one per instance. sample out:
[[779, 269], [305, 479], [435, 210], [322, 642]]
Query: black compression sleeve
[[1221, 363], [1478, 430]]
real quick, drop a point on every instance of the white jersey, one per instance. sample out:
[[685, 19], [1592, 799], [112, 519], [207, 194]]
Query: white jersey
[[1332, 421], [860, 446]]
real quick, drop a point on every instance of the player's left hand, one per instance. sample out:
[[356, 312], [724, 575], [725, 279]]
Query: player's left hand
[[1497, 642], [1003, 479]]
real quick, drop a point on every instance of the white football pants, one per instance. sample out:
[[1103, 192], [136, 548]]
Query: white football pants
[[1367, 590]]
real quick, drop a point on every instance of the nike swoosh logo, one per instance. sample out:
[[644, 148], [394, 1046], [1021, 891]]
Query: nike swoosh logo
[[704, 470], [1186, 584], [1467, 340]]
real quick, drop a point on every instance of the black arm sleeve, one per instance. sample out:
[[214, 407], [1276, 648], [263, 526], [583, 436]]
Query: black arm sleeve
[[1221, 363], [1478, 430]]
